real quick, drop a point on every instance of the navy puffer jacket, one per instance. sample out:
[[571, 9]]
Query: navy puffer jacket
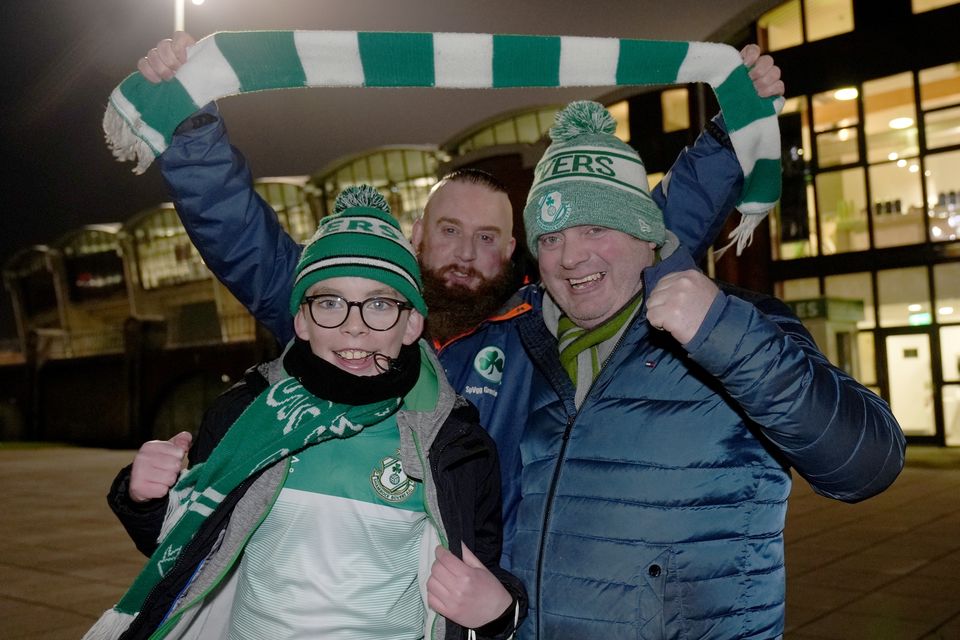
[[657, 509]]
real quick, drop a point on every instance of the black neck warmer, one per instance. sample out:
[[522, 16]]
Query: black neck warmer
[[330, 382]]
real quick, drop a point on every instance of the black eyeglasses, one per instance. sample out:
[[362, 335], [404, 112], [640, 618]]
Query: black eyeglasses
[[330, 311]]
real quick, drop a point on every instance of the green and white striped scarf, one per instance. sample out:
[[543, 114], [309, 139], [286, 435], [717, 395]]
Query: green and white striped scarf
[[142, 116], [580, 349], [283, 419]]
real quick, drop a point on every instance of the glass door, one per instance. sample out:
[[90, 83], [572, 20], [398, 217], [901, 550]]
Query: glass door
[[910, 376]]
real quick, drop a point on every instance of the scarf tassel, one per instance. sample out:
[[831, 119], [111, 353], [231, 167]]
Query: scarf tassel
[[123, 141], [110, 625]]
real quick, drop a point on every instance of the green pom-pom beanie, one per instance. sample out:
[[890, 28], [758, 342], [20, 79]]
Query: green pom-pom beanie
[[588, 176], [361, 239]]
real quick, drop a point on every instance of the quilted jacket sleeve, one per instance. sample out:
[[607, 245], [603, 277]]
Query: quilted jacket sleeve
[[700, 190], [841, 437], [234, 229]]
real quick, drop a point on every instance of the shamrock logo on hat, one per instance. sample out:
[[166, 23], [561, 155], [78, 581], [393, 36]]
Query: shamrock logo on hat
[[553, 210]]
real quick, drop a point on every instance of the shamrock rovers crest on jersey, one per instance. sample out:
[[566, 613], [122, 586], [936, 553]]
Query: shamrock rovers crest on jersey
[[389, 480]]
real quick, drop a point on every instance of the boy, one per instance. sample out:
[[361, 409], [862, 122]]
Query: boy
[[268, 535]]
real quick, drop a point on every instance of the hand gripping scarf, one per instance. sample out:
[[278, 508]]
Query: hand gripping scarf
[[142, 116], [283, 419]]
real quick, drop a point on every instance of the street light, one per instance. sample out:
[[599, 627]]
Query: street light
[[178, 24]]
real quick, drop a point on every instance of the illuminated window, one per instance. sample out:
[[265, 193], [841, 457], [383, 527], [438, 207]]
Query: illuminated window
[[897, 203], [621, 113], [951, 405], [292, 199], [842, 202], [675, 105], [853, 286], [890, 118], [799, 289], [403, 175], [519, 128], [835, 123], [780, 28], [946, 282], [867, 348], [165, 254], [825, 18], [904, 297], [940, 101], [943, 195], [919, 6], [793, 220]]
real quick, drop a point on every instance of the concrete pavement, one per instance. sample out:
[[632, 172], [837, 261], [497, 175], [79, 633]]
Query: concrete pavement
[[885, 569]]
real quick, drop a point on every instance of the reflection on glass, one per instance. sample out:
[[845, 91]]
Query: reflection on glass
[[853, 286], [827, 18], [946, 284], [890, 117], [897, 204], [943, 195], [780, 28], [904, 297], [841, 201]]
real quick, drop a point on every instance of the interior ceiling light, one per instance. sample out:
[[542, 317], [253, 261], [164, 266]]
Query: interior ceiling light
[[901, 123], [913, 308], [843, 134], [945, 311], [847, 93], [893, 155], [901, 163]]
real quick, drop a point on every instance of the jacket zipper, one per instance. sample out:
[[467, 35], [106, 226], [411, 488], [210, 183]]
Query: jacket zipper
[[556, 469], [166, 627]]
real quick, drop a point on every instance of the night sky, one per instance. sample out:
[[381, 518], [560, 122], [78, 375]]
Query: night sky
[[63, 57]]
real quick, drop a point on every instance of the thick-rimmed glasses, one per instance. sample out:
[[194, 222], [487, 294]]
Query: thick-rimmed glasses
[[379, 314]]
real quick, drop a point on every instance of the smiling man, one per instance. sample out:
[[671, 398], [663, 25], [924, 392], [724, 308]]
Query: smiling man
[[665, 417]]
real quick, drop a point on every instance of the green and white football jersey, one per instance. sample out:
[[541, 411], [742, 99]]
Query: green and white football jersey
[[338, 554]]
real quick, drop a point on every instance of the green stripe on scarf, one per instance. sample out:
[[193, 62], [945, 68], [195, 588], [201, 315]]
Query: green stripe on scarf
[[141, 117], [262, 60], [397, 59], [574, 340], [526, 61]]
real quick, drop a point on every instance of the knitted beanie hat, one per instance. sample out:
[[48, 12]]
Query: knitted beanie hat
[[361, 239], [588, 176]]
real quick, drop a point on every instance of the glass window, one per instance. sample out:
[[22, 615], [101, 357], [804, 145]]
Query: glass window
[[842, 203], [919, 6], [890, 118], [653, 179], [780, 28], [835, 109], [950, 353], [897, 203], [904, 297], [946, 282], [943, 195], [838, 147], [942, 127], [675, 106], [799, 289], [940, 86], [621, 114], [853, 286], [825, 18], [793, 221], [951, 414], [867, 349]]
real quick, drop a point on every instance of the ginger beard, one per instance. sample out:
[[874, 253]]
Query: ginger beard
[[456, 309]]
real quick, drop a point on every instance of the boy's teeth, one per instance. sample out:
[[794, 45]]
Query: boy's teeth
[[353, 354]]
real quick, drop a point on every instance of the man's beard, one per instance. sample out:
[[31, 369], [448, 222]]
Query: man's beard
[[456, 309]]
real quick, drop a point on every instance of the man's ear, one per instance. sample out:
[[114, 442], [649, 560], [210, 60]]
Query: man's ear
[[414, 327], [300, 324], [416, 235], [511, 246]]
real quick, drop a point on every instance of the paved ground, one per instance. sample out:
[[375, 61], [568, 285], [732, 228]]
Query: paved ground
[[888, 568]]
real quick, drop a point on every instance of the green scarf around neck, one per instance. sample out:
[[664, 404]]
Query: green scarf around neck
[[141, 117]]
